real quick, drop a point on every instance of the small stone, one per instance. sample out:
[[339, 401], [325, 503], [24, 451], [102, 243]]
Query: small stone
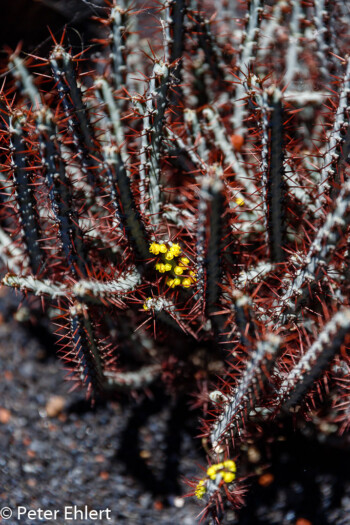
[[266, 479], [54, 406], [5, 416], [145, 454], [254, 455]]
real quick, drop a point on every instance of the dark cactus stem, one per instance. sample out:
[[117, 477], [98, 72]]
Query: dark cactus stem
[[177, 10], [275, 190], [27, 207], [61, 197], [76, 114], [120, 190], [213, 262], [86, 353]]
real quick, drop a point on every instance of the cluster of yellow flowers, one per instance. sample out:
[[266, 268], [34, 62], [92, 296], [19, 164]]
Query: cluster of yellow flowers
[[173, 263], [226, 470]]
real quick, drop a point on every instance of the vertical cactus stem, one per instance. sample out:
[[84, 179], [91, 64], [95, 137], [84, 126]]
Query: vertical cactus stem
[[273, 178], [20, 72], [175, 20], [23, 182], [244, 321], [106, 96], [213, 256], [325, 43], [61, 196], [59, 185], [313, 362], [338, 145], [194, 134], [153, 111], [292, 62], [76, 114], [120, 190], [209, 234], [247, 391], [231, 158], [244, 64], [161, 72], [208, 43], [86, 352], [118, 20]]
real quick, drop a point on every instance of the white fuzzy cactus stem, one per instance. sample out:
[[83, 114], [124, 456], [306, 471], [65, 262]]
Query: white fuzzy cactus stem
[[246, 59], [334, 139], [246, 390], [133, 380], [232, 159], [325, 241], [292, 62], [340, 321], [115, 287]]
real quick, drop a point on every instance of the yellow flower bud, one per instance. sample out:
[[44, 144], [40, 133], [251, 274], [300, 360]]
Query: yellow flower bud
[[211, 472], [175, 249], [228, 477], [170, 282], [230, 465], [240, 201], [163, 248], [200, 489], [169, 256], [168, 267], [186, 283], [185, 261], [177, 281], [178, 270], [154, 248], [161, 268]]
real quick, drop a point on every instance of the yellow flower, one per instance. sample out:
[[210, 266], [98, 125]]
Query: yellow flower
[[175, 249], [169, 256], [163, 248], [211, 472], [200, 489], [230, 465], [168, 267], [178, 270], [154, 248], [186, 283], [228, 477]]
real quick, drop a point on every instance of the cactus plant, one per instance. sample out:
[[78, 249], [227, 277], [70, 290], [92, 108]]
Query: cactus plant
[[193, 188]]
